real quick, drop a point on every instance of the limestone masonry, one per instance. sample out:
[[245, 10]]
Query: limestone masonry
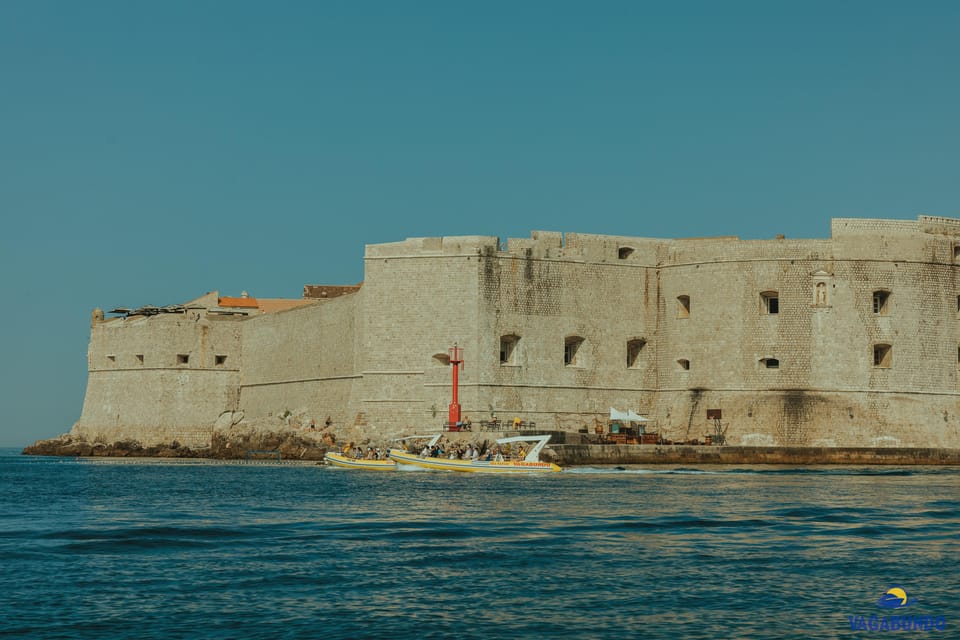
[[848, 342]]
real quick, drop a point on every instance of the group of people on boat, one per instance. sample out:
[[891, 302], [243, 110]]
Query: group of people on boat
[[470, 451], [353, 451]]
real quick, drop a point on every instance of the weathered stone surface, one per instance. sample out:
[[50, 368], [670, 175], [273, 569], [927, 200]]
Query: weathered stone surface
[[860, 349]]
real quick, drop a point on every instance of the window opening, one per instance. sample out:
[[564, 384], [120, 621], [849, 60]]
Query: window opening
[[882, 356], [571, 350], [139, 358], [634, 349], [771, 363], [770, 301], [881, 302], [183, 358], [684, 364], [508, 349], [683, 306], [219, 360], [624, 252]]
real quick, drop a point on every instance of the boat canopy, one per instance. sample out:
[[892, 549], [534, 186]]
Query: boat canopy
[[534, 454]]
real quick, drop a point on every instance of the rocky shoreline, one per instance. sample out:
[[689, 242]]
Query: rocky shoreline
[[308, 446], [232, 445]]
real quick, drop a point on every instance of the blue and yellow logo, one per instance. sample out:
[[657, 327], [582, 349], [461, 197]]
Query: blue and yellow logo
[[895, 598]]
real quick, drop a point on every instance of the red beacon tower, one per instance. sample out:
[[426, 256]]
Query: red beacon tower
[[456, 360]]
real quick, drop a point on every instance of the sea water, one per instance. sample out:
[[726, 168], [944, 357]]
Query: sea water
[[149, 549]]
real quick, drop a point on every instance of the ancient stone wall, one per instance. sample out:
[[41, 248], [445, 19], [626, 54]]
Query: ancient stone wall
[[301, 361], [159, 379], [851, 341]]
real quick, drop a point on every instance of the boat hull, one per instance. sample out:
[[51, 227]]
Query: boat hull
[[473, 466], [340, 460]]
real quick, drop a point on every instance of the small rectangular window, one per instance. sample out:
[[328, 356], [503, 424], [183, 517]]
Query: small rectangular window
[[571, 349], [634, 349], [139, 358], [770, 302], [683, 306], [112, 359], [219, 360], [882, 356], [508, 349], [183, 358], [881, 302]]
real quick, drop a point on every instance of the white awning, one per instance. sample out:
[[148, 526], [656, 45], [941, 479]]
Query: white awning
[[628, 416]]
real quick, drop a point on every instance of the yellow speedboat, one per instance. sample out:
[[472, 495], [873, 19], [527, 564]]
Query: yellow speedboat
[[340, 460], [529, 464]]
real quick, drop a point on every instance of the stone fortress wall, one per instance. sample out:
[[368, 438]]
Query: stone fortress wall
[[851, 341]]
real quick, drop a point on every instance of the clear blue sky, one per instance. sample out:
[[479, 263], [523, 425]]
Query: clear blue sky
[[153, 151]]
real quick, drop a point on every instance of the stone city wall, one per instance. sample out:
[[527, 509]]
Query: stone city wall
[[161, 378], [668, 328], [301, 361]]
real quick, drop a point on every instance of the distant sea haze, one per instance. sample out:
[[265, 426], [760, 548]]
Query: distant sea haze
[[153, 550]]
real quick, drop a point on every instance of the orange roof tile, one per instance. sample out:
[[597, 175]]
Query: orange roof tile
[[243, 303]]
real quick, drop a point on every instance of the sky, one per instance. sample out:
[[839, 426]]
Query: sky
[[153, 151]]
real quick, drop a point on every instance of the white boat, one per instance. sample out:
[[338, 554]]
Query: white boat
[[530, 463]]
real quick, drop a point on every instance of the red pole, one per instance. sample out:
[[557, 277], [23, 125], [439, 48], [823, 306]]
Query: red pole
[[456, 360]]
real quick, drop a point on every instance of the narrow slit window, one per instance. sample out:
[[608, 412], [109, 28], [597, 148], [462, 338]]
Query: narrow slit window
[[683, 306]]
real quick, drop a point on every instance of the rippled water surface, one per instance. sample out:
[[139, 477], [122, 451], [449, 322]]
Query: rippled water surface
[[153, 550]]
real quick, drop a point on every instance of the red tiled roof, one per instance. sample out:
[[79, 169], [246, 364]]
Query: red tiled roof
[[243, 303]]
